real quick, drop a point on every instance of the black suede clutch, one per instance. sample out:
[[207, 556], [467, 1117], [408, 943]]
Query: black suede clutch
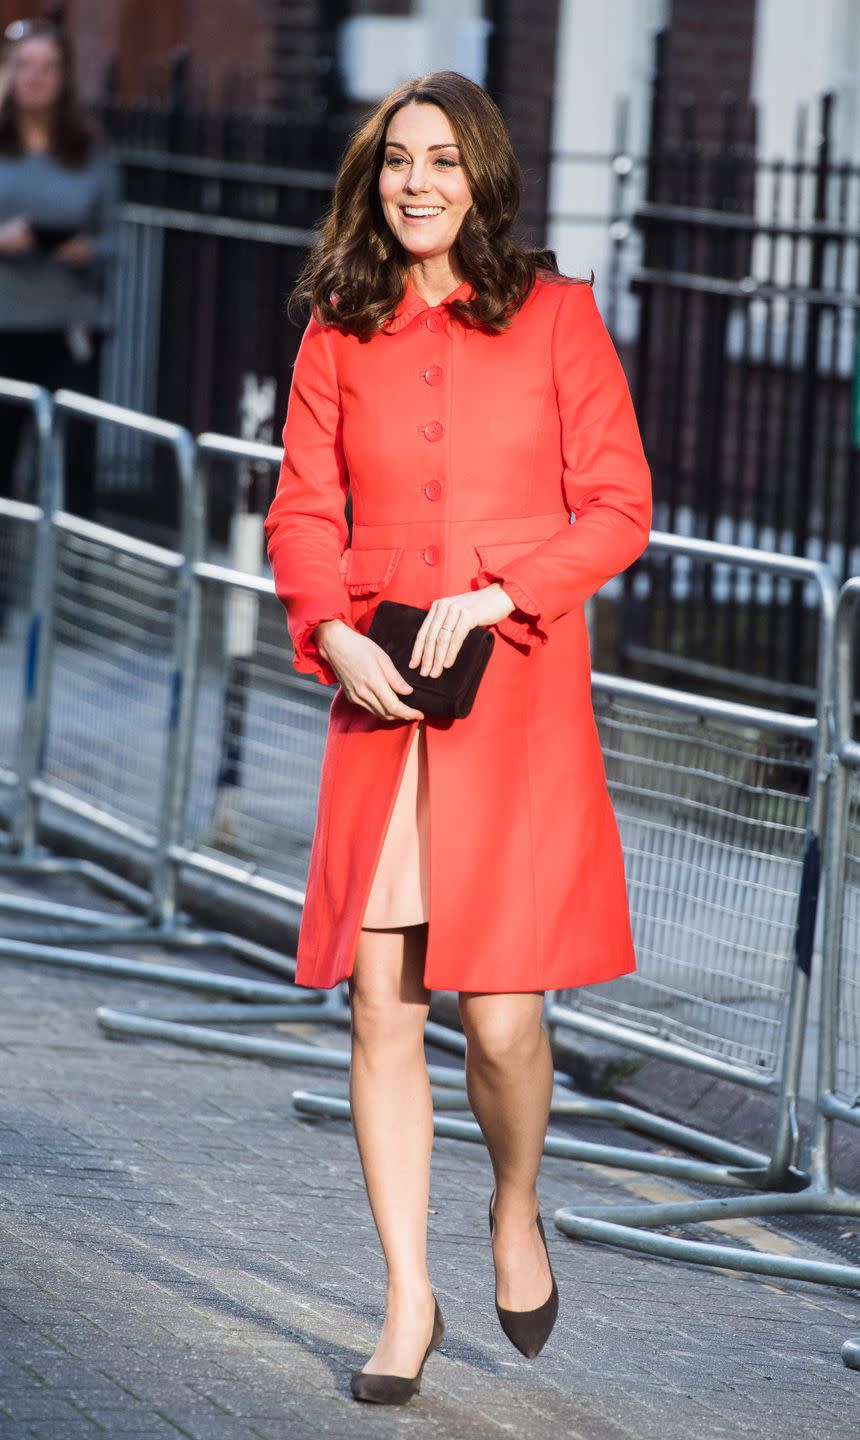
[[451, 694], [50, 237]]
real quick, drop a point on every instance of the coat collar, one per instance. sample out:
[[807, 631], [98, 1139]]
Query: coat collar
[[412, 304]]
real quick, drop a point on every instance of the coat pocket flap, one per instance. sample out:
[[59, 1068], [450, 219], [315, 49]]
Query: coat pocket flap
[[366, 571], [494, 555]]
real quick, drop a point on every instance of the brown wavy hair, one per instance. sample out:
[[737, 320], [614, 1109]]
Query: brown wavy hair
[[356, 271], [74, 134]]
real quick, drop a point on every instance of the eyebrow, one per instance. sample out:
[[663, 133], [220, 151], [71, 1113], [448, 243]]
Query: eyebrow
[[446, 145]]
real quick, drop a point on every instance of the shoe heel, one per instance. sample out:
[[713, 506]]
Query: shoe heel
[[397, 1389]]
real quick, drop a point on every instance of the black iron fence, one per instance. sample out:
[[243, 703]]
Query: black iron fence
[[744, 379], [219, 210]]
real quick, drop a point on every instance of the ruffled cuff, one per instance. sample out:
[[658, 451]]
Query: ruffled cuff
[[522, 626], [307, 658]]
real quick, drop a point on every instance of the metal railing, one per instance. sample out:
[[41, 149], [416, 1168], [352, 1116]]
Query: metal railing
[[101, 743], [637, 1227], [721, 809], [142, 647], [258, 727], [20, 601]]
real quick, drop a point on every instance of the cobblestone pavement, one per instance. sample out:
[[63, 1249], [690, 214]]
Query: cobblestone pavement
[[182, 1255]]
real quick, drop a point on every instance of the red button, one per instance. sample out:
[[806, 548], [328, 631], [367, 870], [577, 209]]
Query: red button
[[434, 375], [431, 554], [434, 431], [433, 489], [435, 321]]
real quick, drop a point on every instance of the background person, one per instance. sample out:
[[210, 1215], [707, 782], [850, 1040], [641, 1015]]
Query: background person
[[471, 399], [58, 191]]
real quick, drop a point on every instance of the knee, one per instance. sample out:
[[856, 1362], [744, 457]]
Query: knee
[[380, 1016], [502, 1036]]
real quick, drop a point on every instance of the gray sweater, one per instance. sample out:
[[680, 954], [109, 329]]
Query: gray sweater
[[36, 291]]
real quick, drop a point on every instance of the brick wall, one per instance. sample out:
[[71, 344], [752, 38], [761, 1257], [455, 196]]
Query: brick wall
[[225, 37], [521, 78], [709, 53], [297, 33]]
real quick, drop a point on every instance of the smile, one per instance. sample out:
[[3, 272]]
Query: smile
[[422, 212]]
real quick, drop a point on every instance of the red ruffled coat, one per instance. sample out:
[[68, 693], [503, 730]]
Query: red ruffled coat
[[466, 454]]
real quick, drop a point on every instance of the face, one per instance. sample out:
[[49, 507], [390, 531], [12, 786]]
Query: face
[[38, 74], [422, 184]]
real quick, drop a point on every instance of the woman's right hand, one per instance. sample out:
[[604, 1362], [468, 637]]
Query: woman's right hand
[[16, 237], [368, 675]]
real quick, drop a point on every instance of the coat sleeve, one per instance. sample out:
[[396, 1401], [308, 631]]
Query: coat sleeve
[[306, 529], [605, 478]]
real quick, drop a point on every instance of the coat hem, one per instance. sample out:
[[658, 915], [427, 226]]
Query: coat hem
[[456, 987]]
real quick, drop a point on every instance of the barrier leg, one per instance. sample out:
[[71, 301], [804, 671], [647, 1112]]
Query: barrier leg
[[623, 1230]]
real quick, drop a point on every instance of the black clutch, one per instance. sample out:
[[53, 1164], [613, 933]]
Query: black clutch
[[50, 237], [451, 694]]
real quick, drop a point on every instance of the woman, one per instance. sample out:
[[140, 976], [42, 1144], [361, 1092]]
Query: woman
[[470, 398], [57, 199]]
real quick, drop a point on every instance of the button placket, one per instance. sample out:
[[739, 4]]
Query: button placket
[[433, 375]]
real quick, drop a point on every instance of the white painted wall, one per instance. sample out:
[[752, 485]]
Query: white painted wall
[[604, 55], [803, 48], [378, 52]]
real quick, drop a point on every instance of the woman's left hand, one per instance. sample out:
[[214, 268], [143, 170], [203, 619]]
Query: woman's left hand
[[449, 621], [77, 250]]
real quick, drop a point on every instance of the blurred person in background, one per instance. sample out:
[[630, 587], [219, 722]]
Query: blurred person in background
[[58, 192]]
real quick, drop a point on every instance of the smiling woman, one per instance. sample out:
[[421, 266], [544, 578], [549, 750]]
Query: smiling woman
[[470, 401], [444, 132]]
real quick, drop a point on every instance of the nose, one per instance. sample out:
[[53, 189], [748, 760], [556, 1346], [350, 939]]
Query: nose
[[416, 179]]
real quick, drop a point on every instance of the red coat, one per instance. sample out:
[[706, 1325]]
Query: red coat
[[466, 454]]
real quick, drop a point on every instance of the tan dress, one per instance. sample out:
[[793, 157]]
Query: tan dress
[[400, 889]]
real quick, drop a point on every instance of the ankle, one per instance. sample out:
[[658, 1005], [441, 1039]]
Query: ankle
[[412, 1293], [515, 1206]]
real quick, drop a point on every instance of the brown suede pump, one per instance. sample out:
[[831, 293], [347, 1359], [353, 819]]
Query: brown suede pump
[[396, 1389], [529, 1330]]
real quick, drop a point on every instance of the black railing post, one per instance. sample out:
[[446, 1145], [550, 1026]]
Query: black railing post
[[634, 615], [810, 380], [179, 94], [653, 173]]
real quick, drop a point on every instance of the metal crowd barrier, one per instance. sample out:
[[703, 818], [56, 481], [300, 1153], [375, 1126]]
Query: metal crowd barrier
[[721, 809], [251, 735], [110, 733], [20, 615], [101, 744], [838, 1077], [258, 728]]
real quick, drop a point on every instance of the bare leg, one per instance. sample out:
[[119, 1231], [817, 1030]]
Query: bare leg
[[509, 1083], [392, 1117]]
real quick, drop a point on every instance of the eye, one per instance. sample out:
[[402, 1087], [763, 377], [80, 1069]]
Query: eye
[[446, 162], [394, 160]]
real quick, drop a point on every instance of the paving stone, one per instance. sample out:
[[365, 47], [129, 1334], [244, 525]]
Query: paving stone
[[183, 1255]]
